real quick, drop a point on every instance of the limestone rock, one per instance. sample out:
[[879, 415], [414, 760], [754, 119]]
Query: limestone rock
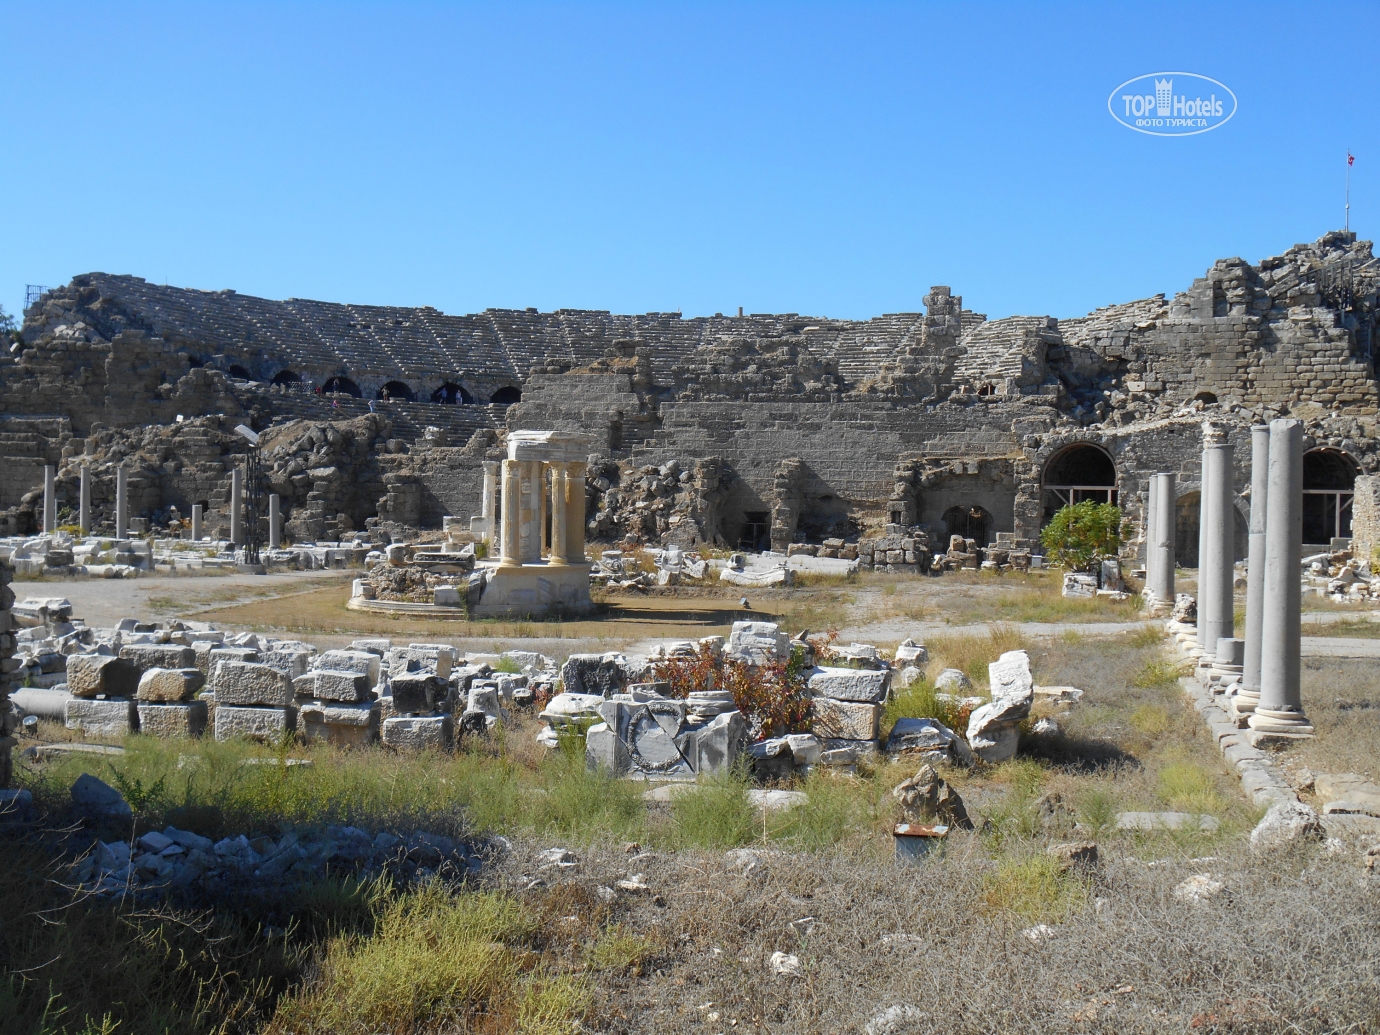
[[98, 799], [91, 674], [144, 656], [1287, 822], [170, 685], [419, 733], [758, 643], [846, 720], [325, 685], [953, 681], [1198, 889], [186, 719], [926, 797], [1348, 787], [992, 729], [1076, 855], [850, 684], [113, 717], [265, 724], [249, 684], [599, 674], [927, 740]]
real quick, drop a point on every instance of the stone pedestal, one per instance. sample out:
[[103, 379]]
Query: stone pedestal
[[121, 503], [1249, 693], [1280, 709], [236, 513], [84, 507], [49, 499]]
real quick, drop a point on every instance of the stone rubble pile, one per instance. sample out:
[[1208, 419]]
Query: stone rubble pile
[[181, 678]]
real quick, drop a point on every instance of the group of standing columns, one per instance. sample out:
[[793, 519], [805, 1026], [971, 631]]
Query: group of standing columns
[[527, 487], [1270, 691], [84, 501]]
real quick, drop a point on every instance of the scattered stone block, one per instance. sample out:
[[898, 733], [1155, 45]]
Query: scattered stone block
[[186, 719], [601, 674], [911, 653], [419, 733], [926, 797], [604, 749], [90, 675], [1347, 787], [419, 692], [265, 724], [993, 732], [250, 684], [953, 681], [144, 656], [113, 717], [292, 663], [350, 687], [1285, 823], [366, 663], [169, 685], [758, 643], [850, 684], [1156, 821], [847, 720], [1076, 855], [720, 742], [344, 725], [98, 800], [927, 740], [1198, 889]]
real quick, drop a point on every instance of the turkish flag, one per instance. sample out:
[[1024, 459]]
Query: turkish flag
[[1350, 159]]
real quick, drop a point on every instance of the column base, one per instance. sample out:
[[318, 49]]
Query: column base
[[1268, 720], [1245, 701]]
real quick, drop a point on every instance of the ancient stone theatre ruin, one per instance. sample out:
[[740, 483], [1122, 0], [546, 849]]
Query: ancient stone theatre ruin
[[747, 432]]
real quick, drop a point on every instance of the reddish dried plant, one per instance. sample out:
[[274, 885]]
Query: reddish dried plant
[[774, 698]]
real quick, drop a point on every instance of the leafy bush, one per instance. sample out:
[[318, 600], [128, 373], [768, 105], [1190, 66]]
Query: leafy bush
[[774, 698], [1083, 534]]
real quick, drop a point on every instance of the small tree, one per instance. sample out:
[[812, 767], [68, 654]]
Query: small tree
[[1082, 535], [9, 331]]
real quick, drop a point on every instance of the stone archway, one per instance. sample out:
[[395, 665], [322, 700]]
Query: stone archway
[[1329, 483], [971, 522], [1077, 473]]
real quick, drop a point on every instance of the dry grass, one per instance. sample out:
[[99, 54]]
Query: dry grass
[[1342, 698]]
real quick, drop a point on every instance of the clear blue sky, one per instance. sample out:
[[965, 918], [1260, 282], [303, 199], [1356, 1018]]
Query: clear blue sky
[[829, 159]]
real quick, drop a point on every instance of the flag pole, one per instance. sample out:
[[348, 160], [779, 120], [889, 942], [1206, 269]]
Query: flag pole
[[1348, 192]]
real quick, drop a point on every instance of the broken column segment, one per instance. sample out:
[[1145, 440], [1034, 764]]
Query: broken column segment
[[993, 731]]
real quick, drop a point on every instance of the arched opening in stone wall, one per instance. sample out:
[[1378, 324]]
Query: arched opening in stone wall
[[395, 390], [1075, 474], [756, 533], [506, 396], [450, 393], [241, 372], [1329, 478], [342, 386], [1186, 524], [969, 522], [287, 377]]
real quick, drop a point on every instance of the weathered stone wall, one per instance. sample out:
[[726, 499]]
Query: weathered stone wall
[[1365, 518], [8, 666]]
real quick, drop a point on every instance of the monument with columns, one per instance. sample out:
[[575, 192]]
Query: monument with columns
[[538, 513]]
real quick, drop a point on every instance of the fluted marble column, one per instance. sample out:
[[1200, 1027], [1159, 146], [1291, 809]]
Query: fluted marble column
[[1249, 693], [575, 513], [1165, 517], [84, 507], [511, 555], [121, 502], [49, 499], [560, 517], [1280, 708]]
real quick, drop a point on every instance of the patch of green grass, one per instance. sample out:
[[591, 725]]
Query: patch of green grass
[[716, 814], [617, 948], [918, 701], [1189, 787], [432, 960], [1145, 636], [1097, 809], [972, 654], [1034, 888], [1156, 673], [1150, 719]]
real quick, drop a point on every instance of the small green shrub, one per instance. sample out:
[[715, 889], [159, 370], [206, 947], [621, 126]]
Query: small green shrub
[[716, 814], [617, 948], [1082, 534], [1035, 888]]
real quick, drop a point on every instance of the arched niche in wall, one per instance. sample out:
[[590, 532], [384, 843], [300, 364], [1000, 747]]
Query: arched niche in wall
[[1077, 473], [1329, 479], [451, 394], [971, 522], [287, 377], [506, 396], [341, 385], [395, 390]]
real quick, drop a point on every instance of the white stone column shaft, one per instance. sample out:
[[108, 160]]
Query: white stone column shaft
[[560, 518], [49, 499], [236, 505], [121, 502], [84, 507], [575, 513], [1148, 527], [489, 503], [543, 489], [511, 542], [196, 522], [1201, 643], [1215, 572], [1249, 694], [1166, 506], [1280, 709], [275, 522]]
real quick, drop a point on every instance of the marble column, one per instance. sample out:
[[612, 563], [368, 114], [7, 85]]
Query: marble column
[[543, 503], [1249, 693], [275, 522], [49, 499], [560, 538], [236, 507], [1215, 571], [511, 555], [121, 502], [1280, 708], [1166, 506], [1148, 526], [84, 507], [528, 544], [196, 522], [1200, 642], [575, 513], [489, 502]]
